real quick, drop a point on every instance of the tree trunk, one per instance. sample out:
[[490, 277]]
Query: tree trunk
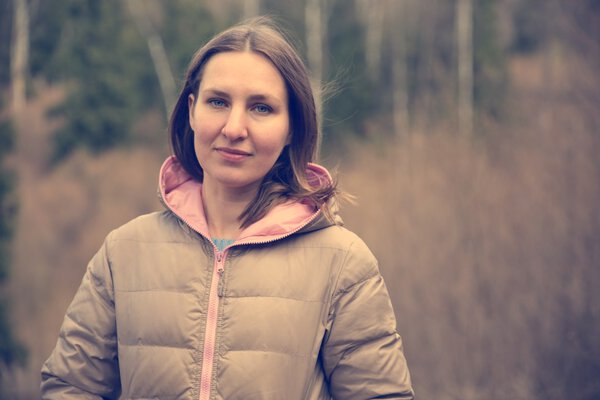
[[372, 13], [398, 33], [314, 20], [464, 39], [20, 55], [157, 53]]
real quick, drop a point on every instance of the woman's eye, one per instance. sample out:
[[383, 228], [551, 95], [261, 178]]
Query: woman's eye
[[217, 103], [262, 109]]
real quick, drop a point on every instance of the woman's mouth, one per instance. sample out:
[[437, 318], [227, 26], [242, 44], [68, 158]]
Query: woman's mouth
[[232, 155]]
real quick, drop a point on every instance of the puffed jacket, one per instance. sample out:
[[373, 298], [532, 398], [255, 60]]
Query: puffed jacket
[[295, 308]]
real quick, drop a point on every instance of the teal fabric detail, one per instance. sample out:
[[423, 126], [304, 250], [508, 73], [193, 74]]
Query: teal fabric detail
[[222, 243]]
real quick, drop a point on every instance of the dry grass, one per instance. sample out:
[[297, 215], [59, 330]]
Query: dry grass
[[491, 249]]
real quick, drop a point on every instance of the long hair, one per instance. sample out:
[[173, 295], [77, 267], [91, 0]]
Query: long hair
[[287, 178]]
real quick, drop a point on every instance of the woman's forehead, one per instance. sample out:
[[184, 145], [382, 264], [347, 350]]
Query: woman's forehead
[[245, 71]]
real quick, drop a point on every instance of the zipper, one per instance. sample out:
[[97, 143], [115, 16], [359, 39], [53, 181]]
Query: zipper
[[210, 332], [276, 238]]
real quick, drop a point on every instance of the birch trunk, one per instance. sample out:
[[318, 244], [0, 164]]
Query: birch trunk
[[157, 53], [464, 39], [20, 54], [372, 14], [398, 34], [314, 21]]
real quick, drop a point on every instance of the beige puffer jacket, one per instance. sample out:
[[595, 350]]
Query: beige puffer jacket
[[294, 309]]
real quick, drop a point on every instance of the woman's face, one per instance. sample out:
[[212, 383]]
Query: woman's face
[[240, 119]]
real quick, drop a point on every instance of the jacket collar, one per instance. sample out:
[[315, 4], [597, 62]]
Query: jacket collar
[[181, 194]]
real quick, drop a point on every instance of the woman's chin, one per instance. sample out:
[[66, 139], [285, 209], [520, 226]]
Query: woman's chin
[[233, 182]]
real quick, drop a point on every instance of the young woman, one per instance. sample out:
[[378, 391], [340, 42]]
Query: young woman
[[246, 286]]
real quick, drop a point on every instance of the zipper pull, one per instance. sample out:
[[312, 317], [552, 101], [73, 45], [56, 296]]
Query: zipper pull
[[221, 290], [220, 268], [220, 271]]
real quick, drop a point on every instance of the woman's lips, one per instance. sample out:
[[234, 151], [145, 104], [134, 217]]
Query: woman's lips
[[233, 155]]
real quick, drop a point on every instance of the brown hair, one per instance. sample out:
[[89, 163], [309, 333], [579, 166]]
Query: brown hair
[[287, 178]]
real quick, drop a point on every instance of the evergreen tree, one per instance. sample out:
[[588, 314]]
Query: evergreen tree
[[5, 40], [10, 350], [531, 26], [187, 25], [109, 72], [346, 69]]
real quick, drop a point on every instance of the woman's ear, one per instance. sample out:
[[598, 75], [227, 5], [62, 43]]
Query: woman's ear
[[288, 139], [191, 101]]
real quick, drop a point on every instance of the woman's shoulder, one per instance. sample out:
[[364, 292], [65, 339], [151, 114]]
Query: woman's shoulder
[[158, 226], [352, 258], [338, 237]]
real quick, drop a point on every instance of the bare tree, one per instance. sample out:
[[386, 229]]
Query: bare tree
[[398, 32], [372, 14], [19, 54], [316, 14], [137, 9], [464, 40]]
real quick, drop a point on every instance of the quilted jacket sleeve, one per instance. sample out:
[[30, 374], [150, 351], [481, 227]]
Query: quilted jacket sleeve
[[84, 365], [362, 352]]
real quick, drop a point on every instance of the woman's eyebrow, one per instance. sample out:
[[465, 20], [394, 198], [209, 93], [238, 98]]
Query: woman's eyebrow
[[264, 97], [216, 92], [252, 97]]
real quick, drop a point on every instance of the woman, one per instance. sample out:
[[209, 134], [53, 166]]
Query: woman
[[247, 286]]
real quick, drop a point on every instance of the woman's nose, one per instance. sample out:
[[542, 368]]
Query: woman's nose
[[235, 127]]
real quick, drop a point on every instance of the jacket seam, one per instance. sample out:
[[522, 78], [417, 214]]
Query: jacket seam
[[275, 297], [190, 291], [341, 270], [283, 352], [63, 333], [372, 339], [359, 282], [152, 241], [296, 246], [156, 345], [94, 279], [109, 266], [341, 292], [338, 292], [74, 385]]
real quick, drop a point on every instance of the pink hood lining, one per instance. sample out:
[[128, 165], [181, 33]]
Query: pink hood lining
[[183, 196]]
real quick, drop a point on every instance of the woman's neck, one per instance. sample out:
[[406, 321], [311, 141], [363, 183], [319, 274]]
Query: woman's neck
[[223, 207]]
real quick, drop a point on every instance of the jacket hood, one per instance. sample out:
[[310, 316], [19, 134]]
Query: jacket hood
[[181, 194]]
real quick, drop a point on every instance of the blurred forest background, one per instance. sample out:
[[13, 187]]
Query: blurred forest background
[[469, 130]]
